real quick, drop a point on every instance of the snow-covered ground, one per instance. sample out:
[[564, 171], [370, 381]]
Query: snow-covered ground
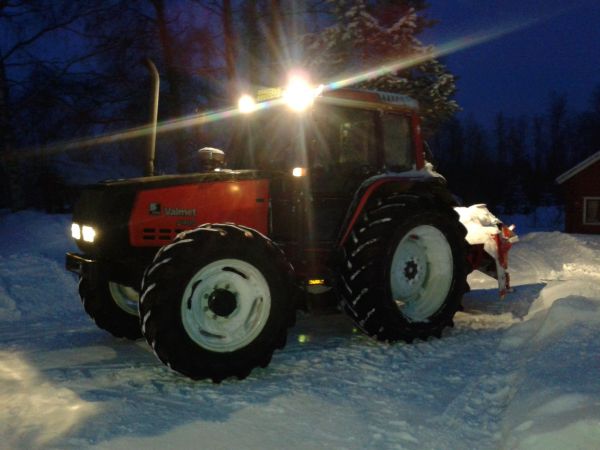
[[523, 372]]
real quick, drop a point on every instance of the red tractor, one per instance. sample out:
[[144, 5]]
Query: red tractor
[[332, 193]]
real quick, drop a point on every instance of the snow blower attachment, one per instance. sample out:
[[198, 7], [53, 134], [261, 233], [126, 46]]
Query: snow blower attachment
[[490, 242], [324, 190]]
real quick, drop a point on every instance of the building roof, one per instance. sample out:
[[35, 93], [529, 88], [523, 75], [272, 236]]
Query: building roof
[[578, 168]]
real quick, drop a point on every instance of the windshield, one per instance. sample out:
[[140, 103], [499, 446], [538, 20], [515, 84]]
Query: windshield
[[269, 140], [327, 137]]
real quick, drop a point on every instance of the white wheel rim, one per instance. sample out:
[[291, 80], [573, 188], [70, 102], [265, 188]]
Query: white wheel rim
[[225, 305], [125, 297], [421, 273]]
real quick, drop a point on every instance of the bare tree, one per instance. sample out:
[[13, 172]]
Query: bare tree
[[27, 24], [229, 40]]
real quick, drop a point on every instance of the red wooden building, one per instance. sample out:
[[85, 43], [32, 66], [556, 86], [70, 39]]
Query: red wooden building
[[581, 187]]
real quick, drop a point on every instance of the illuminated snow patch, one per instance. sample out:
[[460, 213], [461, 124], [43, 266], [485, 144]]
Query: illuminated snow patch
[[34, 411]]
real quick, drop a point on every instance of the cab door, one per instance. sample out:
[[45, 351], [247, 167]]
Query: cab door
[[342, 154]]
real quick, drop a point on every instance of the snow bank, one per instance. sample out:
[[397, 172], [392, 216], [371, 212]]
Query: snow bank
[[555, 403], [555, 256], [30, 232], [32, 266], [555, 397], [519, 373]]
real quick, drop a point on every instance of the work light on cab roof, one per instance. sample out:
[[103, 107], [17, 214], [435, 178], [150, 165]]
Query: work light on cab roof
[[298, 95], [246, 104]]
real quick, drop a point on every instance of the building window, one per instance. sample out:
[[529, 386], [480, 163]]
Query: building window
[[591, 211]]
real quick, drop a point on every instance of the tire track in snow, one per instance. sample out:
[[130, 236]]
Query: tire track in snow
[[478, 410]]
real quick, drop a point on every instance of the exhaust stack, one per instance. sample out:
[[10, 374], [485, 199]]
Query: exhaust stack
[[149, 171]]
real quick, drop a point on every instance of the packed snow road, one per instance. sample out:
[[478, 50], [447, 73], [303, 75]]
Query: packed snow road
[[517, 373]]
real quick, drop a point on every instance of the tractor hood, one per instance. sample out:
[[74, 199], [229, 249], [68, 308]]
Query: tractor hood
[[139, 215]]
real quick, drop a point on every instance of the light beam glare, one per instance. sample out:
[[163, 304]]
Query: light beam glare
[[447, 48], [137, 132], [450, 47]]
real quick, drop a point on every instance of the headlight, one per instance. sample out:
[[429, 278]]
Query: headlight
[[75, 231], [85, 232], [88, 233]]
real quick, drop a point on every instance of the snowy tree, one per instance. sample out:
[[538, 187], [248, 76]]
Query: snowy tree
[[366, 35]]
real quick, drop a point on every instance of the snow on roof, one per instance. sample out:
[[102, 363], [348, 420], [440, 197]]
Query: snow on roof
[[373, 97], [398, 99], [578, 168]]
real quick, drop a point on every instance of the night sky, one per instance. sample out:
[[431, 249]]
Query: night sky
[[559, 51], [516, 72]]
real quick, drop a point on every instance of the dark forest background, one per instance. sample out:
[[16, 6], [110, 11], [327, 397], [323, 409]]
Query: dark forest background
[[71, 70], [513, 164]]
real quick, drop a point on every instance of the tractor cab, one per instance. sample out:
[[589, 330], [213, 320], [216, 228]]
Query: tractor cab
[[319, 151], [345, 131]]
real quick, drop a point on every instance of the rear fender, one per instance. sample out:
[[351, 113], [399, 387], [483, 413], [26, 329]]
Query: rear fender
[[419, 182]]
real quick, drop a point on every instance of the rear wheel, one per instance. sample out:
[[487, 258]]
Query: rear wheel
[[216, 302], [404, 270], [113, 306], [421, 272]]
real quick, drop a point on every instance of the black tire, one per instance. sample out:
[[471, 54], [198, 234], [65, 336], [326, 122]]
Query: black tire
[[428, 291], [200, 284], [101, 305]]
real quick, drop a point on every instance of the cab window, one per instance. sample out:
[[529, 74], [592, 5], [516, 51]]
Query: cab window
[[397, 142], [271, 141], [343, 137]]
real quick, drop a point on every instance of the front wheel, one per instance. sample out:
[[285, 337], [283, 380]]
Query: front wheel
[[216, 302], [404, 269], [113, 306]]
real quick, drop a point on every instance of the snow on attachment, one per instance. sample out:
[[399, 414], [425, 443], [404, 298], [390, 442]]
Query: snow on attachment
[[490, 242]]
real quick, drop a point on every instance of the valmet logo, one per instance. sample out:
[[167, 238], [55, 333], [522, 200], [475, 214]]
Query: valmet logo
[[155, 209]]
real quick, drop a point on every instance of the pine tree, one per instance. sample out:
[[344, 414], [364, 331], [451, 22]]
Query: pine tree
[[371, 34], [557, 120], [501, 146]]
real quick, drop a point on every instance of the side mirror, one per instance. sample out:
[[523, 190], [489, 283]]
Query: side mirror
[[429, 154]]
